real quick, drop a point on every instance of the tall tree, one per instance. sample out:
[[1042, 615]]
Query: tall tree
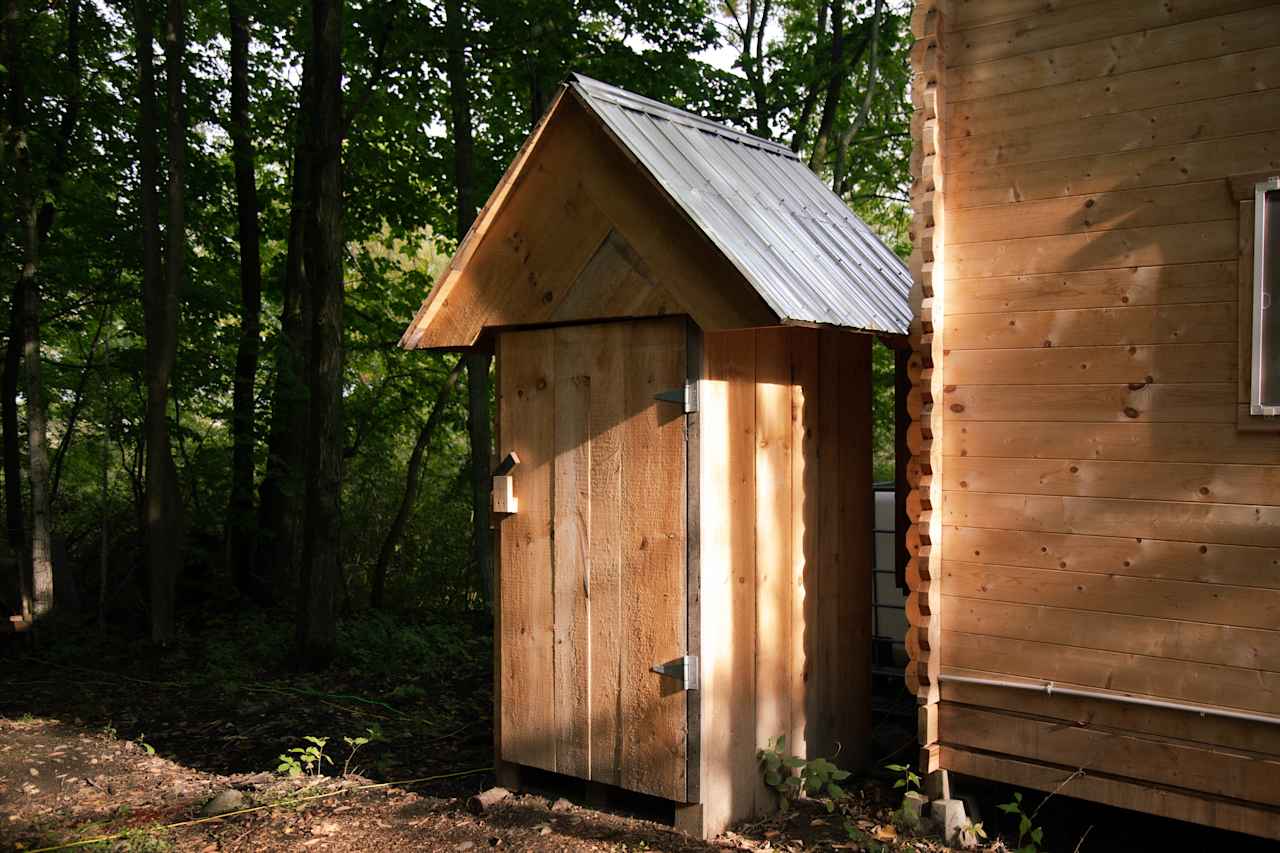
[[240, 513], [162, 514], [280, 496], [477, 363], [317, 631]]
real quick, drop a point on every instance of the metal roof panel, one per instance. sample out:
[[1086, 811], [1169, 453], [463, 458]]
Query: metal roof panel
[[809, 257]]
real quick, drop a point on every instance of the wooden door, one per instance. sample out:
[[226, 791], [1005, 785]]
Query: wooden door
[[592, 571]]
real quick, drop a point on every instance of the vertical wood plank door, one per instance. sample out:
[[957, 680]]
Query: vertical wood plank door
[[592, 569]]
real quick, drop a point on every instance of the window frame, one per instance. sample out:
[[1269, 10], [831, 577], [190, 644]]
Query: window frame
[[1260, 192]]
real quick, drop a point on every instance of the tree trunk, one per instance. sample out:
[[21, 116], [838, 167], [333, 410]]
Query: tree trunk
[[240, 513], [456, 31], [15, 517], [161, 515], [835, 86], [464, 150], [279, 544], [37, 428], [317, 631], [413, 478]]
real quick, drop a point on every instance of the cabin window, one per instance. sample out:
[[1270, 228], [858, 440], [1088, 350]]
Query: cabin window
[[1264, 383]]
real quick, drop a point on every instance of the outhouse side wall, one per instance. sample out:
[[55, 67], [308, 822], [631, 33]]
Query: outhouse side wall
[[1093, 506], [786, 553]]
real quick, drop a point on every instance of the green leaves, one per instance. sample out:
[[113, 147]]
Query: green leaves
[[793, 777], [1027, 831]]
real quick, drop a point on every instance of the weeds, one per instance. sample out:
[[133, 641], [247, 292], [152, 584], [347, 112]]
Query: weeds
[[818, 777], [305, 760], [1032, 835]]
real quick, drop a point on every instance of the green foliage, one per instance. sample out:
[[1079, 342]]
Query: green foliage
[[792, 777], [306, 760], [1030, 837], [371, 735], [907, 778]]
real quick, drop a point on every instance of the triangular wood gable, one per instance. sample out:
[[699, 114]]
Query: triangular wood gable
[[577, 231]]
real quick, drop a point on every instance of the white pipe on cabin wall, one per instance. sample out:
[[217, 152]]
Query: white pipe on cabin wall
[[1049, 688]]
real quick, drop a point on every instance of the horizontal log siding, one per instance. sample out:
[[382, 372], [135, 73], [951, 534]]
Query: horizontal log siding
[[1105, 524]]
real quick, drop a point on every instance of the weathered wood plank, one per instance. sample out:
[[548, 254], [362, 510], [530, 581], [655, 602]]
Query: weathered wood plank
[[1121, 555], [1132, 441], [807, 734], [1203, 402], [1225, 814], [1160, 363], [615, 282], [1120, 54], [773, 534], [653, 710], [527, 412], [1160, 481], [1218, 118], [848, 628], [1200, 683], [1193, 768], [967, 14], [1157, 324], [1112, 288], [1179, 204], [1079, 23], [1172, 164], [608, 415], [1244, 607], [571, 495], [1213, 731], [727, 405], [1118, 246], [1172, 639], [1222, 524], [1216, 77]]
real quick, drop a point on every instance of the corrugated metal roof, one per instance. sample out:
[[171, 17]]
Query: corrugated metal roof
[[810, 258]]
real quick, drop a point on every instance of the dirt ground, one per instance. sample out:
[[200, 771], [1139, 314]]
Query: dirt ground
[[61, 784]]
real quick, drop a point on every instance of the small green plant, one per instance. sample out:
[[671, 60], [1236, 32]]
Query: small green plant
[[371, 735], [974, 830], [863, 839], [1032, 835], [146, 747], [109, 731], [793, 777], [305, 760], [907, 778]]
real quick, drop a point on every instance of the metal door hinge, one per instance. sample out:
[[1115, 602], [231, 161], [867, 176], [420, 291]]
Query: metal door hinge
[[684, 668], [686, 397]]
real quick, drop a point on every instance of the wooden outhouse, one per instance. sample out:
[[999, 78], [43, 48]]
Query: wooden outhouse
[[682, 317], [1095, 603]]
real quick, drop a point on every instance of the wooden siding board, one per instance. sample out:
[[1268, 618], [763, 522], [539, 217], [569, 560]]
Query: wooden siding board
[[1157, 324], [1159, 363], [1169, 638], [1184, 805], [608, 364], [571, 500], [1078, 24], [654, 721], [1190, 481], [1119, 555], [527, 659], [727, 403], [1246, 607], [807, 735], [1110, 288], [1209, 443], [1192, 768], [1203, 684], [1201, 402], [773, 553], [1119, 54], [1214, 78], [1250, 737], [1222, 524]]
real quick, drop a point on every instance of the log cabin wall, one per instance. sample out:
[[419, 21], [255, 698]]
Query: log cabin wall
[[786, 552], [1092, 505]]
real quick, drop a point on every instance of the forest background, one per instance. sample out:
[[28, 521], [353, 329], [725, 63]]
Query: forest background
[[218, 219]]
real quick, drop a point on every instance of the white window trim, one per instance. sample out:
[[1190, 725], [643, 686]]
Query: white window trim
[[1259, 235]]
